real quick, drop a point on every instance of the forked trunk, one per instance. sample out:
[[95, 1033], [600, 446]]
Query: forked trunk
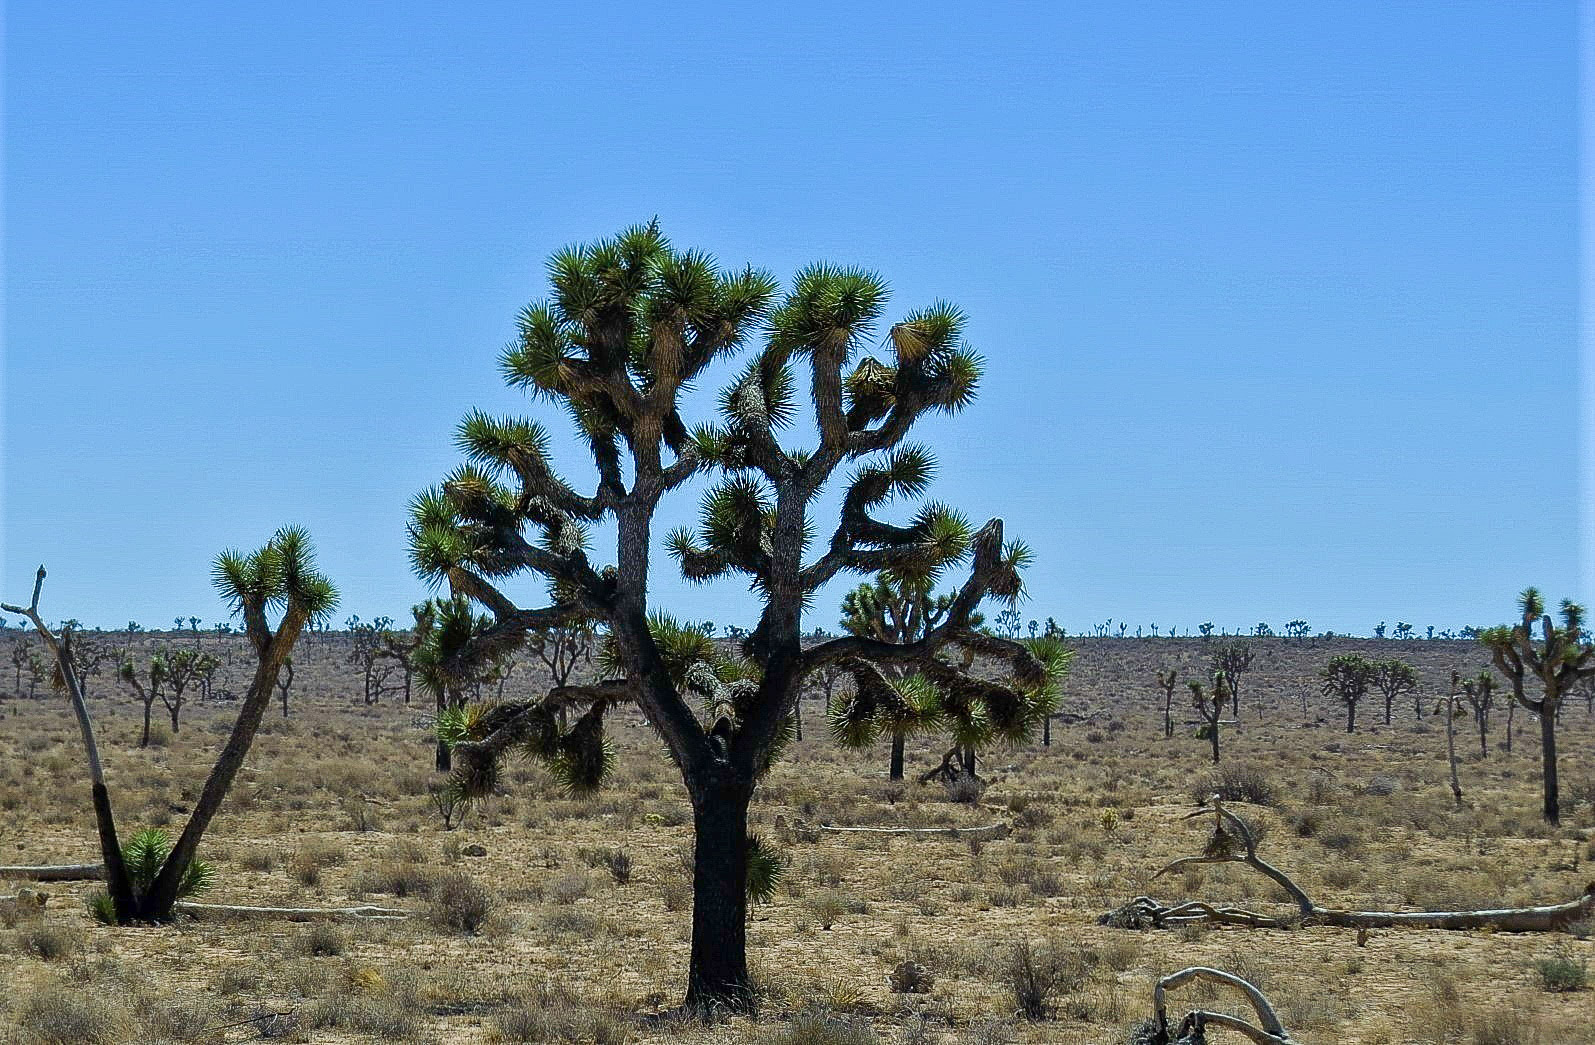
[[158, 902], [717, 977], [897, 755]]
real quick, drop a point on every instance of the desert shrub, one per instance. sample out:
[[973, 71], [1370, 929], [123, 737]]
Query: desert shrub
[[1562, 972], [572, 921], [616, 861], [323, 941], [569, 887], [58, 1016], [397, 879], [50, 941], [461, 903], [1235, 783], [1306, 822], [826, 907], [1037, 975], [262, 860], [820, 1027], [676, 892], [557, 1017], [381, 1016]]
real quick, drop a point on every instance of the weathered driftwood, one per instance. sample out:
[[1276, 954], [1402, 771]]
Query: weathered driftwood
[[1192, 1029], [984, 834], [1233, 842], [364, 913], [55, 873]]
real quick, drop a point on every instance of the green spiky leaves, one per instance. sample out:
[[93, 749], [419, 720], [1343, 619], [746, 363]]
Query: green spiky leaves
[[145, 854], [282, 574], [766, 870]]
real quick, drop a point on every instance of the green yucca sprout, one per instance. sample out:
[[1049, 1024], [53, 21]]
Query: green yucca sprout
[[766, 870]]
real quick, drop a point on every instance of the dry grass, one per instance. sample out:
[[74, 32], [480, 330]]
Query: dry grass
[[573, 925]]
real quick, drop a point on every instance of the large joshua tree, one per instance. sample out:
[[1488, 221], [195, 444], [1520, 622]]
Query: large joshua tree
[[1557, 660], [630, 323]]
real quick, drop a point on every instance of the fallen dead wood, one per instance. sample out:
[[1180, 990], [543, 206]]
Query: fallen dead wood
[[986, 833], [1192, 1028], [364, 913], [1234, 842], [55, 873]]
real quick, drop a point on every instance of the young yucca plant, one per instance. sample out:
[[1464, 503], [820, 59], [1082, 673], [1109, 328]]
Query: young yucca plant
[[766, 869], [144, 855]]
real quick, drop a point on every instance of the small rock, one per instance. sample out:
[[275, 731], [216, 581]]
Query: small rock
[[911, 978], [474, 850]]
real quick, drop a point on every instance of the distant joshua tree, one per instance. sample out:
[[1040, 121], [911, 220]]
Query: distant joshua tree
[[1556, 661], [1166, 681], [1297, 629], [1479, 692], [1347, 678], [285, 682], [1379, 631], [1206, 628], [1231, 661], [1393, 678], [1210, 705]]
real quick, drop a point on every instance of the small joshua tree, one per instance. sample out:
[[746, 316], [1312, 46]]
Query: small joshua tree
[[1479, 692], [1166, 681], [371, 652], [1210, 705], [1347, 678], [1556, 661], [1231, 661], [281, 576], [147, 685], [1393, 678], [896, 610]]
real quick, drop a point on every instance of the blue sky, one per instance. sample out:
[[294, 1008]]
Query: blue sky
[[1279, 301]]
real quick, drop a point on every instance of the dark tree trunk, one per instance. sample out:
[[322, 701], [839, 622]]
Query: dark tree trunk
[[718, 974], [1553, 812], [1212, 735], [797, 717], [117, 883], [1351, 717], [145, 740], [1168, 716], [173, 710], [445, 758], [1389, 703], [1511, 713], [897, 755], [1046, 731]]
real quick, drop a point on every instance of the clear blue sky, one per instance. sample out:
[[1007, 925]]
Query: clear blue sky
[[1279, 300]]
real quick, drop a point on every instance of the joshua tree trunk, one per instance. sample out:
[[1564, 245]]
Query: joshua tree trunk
[[172, 710], [718, 972], [144, 741], [1451, 749], [157, 903], [1351, 717], [1553, 813], [1212, 735], [897, 755], [1511, 713]]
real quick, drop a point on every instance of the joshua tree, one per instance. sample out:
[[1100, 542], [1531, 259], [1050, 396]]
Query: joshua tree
[[1480, 695], [370, 650], [630, 323], [280, 576], [183, 667], [1297, 629], [22, 654], [1452, 710], [1206, 628], [1557, 661], [1231, 661], [1394, 678], [148, 694], [401, 646], [1166, 681], [896, 610], [1347, 678], [1211, 707]]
